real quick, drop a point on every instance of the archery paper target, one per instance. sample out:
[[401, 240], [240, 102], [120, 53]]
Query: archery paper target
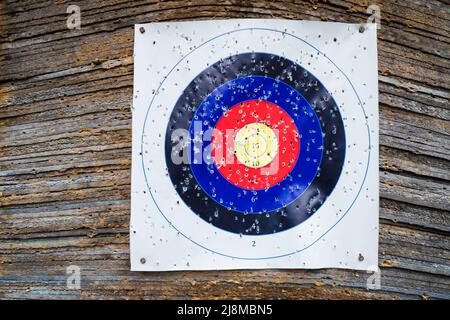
[[253, 144]]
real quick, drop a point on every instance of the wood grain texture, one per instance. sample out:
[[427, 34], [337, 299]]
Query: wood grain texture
[[65, 152]]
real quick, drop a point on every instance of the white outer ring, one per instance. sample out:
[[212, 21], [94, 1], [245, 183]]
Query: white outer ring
[[261, 246]]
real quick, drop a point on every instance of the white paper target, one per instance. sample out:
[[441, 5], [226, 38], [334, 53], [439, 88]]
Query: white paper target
[[308, 198]]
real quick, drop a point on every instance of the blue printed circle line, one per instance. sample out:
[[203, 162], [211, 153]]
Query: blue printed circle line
[[305, 169], [312, 243]]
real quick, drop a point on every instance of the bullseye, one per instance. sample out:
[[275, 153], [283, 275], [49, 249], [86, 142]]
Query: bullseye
[[255, 145]]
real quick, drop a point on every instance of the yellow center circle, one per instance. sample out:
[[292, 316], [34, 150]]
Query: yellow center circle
[[255, 145]]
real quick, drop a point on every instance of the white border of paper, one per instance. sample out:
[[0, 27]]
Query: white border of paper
[[344, 231]]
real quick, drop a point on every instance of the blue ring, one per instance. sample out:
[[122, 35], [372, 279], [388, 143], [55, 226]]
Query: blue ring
[[290, 188]]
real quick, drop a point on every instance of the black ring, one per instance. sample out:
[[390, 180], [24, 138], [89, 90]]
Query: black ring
[[313, 91]]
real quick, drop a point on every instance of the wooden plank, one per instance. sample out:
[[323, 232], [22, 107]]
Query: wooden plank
[[65, 142]]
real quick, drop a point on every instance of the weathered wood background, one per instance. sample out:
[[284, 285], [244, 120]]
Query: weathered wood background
[[65, 152]]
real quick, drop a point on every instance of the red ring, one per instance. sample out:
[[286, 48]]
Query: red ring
[[237, 117]]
